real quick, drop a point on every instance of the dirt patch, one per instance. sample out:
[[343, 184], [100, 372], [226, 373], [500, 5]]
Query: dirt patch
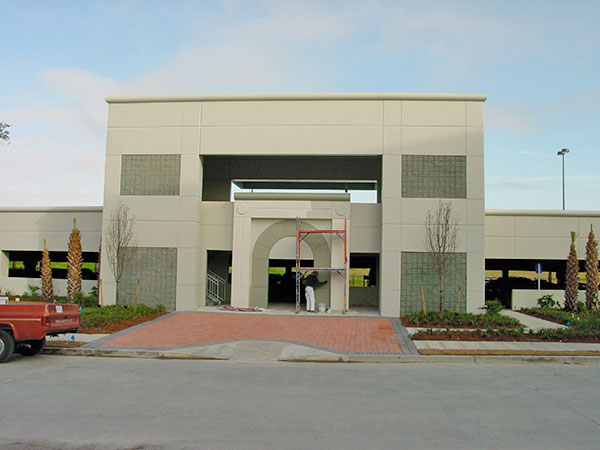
[[64, 344], [481, 352], [121, 325], [479, 335]]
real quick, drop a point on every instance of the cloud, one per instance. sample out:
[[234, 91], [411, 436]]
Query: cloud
[[274, 46], [58, 140], [510, 118], [535, 182]]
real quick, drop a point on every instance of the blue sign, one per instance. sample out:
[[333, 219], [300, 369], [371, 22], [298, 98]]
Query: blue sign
[[538, 268]]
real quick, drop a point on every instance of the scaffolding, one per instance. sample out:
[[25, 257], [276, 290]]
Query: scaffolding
[[301, 234]]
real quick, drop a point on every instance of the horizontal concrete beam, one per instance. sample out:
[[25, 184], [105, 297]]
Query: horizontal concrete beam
[[304, 96]]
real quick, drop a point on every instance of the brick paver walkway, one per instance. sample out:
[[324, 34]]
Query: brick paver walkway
[[346, 334]]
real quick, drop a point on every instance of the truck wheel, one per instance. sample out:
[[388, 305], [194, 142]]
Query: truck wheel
[[7, 346], [31, 348]]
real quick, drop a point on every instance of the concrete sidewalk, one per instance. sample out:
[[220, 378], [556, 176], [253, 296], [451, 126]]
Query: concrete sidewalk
[[530, 322], [76, 337], [258, 337]]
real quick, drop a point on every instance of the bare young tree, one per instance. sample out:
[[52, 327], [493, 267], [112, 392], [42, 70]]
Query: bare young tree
[[441, 239], [120, 242]]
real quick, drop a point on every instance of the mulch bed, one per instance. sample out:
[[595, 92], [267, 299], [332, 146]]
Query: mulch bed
[[121, 325], [484, 352], [454, 335], [407, 323]]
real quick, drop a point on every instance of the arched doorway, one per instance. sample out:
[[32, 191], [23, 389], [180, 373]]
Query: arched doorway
[[260, 259]]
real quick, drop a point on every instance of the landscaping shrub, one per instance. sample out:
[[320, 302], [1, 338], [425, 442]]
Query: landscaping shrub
[[568, 334], [564, 317], [547, 301], [32, 292], [86, 301], [94, 317], [584, 325], [452, 319], [494, 334], [493, 306]]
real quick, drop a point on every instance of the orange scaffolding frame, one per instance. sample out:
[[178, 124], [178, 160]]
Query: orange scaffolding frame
[[301, 234]]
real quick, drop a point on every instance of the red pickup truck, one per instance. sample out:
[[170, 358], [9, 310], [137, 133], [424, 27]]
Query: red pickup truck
[[24, 326]]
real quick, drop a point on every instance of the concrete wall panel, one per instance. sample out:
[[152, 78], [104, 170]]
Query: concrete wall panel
[[150, 115], [474, 114], [365, 214], [433, 113], [365, 239], [559, 227], [112, 175], [475, 141], [499, 247], [392, 112], [475, 212], [156, 234], [543, 248], [499, 226], [475, 176], [217, 237], [152, 141], [434, 141], [217, 213], [392, 176], [392, 140], [414, 210], [285, 140], [295, 113]]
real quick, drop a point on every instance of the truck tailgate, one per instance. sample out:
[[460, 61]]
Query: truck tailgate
[[61, 319], [33, 321]]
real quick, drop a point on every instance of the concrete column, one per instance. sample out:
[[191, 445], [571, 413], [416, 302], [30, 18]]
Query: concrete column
[[337, 261], [389, 287], [4, 262], [241, 269]]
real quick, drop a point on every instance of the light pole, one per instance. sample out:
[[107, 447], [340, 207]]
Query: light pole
[[562, 154]]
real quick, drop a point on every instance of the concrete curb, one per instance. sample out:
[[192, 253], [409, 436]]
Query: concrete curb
[[341, 358]]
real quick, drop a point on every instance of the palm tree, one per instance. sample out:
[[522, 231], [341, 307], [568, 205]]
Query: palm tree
[[591, 271], [572, 277], [46, 274], [4, 132], [74, 260]]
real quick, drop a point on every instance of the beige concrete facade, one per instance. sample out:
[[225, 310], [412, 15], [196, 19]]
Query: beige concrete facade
[[24, 230], [172, 160], [385, 126], [540, 235]]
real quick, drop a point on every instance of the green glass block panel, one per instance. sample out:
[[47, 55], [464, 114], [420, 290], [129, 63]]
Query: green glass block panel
[[417, 269], [150, 174], [434, 176], [156, 270]]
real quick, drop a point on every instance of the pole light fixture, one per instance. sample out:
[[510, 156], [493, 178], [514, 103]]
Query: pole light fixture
[[562, 154]]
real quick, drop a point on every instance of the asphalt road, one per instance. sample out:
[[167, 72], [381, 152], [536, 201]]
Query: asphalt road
[[51, 402]]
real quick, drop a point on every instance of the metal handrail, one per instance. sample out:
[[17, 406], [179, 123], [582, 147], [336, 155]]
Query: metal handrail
[[215, 288]]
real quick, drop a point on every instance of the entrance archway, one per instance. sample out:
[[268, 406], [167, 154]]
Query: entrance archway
[[260, 259]]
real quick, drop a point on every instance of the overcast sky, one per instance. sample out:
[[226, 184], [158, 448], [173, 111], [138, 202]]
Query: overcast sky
[[538, 62]]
